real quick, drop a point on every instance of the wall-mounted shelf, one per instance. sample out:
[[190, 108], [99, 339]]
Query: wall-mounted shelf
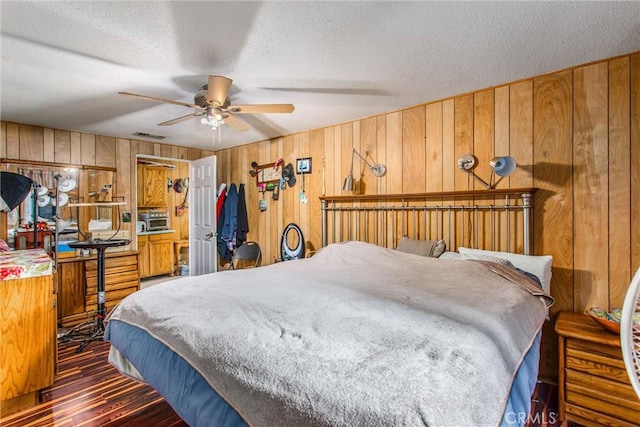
[[99, 204]]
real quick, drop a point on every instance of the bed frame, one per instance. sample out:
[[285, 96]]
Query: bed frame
[[498, 219]]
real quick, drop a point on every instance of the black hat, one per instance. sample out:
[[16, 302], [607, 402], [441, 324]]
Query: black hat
[[289, 175]]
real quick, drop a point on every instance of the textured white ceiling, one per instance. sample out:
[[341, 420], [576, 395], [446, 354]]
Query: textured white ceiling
[[64, 62]]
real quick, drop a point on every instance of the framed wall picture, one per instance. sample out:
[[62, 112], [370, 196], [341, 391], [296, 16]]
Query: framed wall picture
[[303, 165]]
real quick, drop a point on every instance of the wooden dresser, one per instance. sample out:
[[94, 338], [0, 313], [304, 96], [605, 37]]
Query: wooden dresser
[[594, 388], [27, 328], [77, 284]]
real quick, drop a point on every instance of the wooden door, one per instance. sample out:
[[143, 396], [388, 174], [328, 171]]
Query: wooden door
[[143, 248]]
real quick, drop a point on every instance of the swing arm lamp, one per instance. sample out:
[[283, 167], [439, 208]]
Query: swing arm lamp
[[378, 169]]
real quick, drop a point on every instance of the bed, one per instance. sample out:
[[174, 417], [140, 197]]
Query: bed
[[359, 334]]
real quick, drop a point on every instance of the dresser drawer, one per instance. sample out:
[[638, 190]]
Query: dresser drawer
[[597, 360], [588, 418], [608, 388], [611, 405], [127, 262]]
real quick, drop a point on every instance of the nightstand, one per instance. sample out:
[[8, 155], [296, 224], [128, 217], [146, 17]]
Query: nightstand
[[593, 386]]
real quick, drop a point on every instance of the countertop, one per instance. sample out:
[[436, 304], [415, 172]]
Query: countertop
[[25, 263], [146, 233]]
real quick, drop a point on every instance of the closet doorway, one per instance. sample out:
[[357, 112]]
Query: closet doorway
[[162, 216]]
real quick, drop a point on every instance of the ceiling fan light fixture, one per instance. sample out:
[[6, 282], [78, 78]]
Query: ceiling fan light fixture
[[212, 105]]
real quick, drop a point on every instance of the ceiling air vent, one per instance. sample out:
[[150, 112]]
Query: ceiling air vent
[[148, 135]]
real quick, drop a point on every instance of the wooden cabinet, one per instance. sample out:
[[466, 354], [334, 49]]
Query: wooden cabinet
[[121, 278], [71, 291], [152, 186], [78, 284], [28, 336], [594, 387], [143, 248], [156, 254]]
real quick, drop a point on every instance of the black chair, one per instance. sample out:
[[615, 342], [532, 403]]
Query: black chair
[[247, 251]]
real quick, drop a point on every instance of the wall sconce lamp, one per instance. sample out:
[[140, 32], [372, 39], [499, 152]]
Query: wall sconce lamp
[[501, 166], [377, 169]]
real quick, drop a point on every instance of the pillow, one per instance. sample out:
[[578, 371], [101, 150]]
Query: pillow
[[450, 255], [489, 258], [429, 248], [539, 266]]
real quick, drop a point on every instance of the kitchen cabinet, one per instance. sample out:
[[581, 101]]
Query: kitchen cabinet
[[152, 186], [156, 254], [143, 248], [27, 327]]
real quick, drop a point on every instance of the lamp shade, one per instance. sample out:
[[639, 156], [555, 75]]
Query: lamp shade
[[14, 188], [349, 184], [503, 166]]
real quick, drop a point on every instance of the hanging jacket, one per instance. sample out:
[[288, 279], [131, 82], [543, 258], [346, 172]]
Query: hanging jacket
[[220, 203], [243, 218], [230, 216], [223, 249]]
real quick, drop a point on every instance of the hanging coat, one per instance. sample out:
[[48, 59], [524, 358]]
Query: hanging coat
[[230, 217], [220, 203], [223, 249], [243, 218]]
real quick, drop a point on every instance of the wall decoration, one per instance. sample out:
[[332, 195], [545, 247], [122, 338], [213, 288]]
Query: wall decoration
[[269, 172], [303, 165]]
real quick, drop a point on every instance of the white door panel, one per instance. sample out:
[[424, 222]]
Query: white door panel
[[202, 221]]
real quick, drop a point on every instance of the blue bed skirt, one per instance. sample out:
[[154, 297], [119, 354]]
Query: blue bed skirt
[[198, 404]]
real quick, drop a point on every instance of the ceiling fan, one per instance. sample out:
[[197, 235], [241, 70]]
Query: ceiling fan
[[213, 105]]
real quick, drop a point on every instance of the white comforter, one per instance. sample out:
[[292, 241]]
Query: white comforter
[[356, 335]]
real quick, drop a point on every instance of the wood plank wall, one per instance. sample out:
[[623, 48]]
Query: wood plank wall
[[575, 134], [34, 143]]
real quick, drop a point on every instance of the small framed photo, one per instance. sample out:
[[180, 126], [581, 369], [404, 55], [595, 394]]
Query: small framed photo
[[303, 165]]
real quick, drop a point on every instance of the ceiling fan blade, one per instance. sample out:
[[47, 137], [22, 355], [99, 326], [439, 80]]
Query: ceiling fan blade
[[236, 123], [217, 89], [261, 108], [153, 98], [182, 119]]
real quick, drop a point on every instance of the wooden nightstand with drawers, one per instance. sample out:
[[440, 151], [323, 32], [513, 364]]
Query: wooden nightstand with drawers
[[594, 389]]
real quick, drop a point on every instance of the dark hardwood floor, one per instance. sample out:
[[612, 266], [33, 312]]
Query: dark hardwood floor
[[88, 391]]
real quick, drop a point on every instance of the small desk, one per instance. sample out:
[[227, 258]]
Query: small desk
[[178, 245]]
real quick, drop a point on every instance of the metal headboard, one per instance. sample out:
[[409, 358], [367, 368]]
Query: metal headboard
[[487, 219]]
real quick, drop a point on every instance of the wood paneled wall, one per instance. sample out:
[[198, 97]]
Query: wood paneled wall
[[575, 134], [34, 143]]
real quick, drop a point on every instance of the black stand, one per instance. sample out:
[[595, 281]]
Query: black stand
[[100, 246]]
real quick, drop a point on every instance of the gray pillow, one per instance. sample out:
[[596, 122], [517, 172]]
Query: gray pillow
[[428, 248]]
